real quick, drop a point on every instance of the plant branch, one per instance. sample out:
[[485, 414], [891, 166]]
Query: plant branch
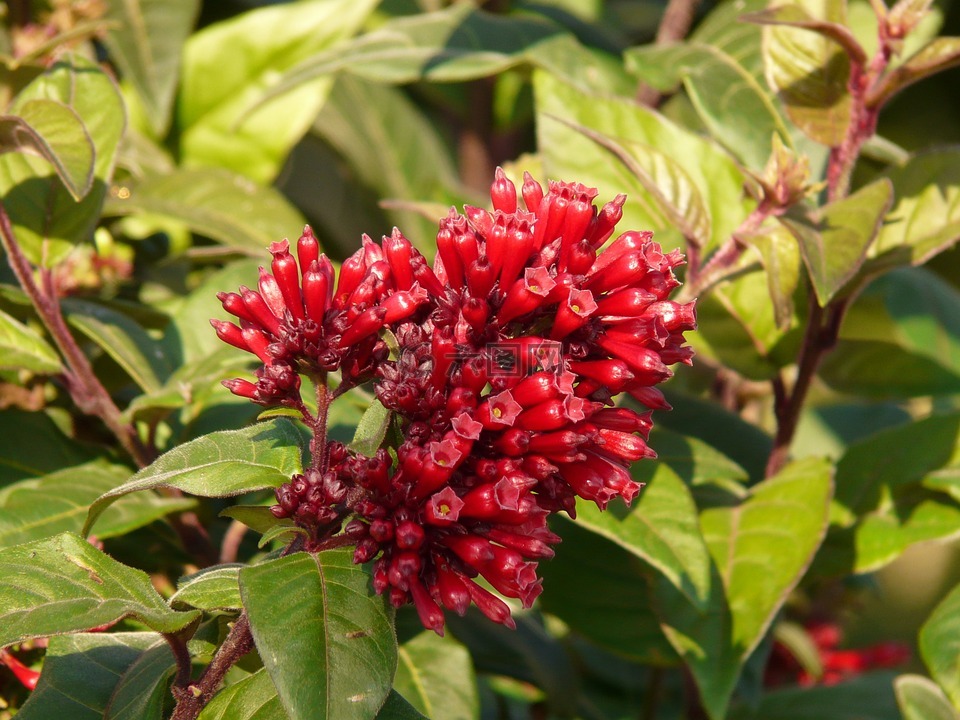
[[318, 444], [182, 655]]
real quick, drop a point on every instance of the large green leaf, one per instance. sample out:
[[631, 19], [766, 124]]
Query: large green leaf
[[51, 130], [229, 208], [569, 154], [736, 109], [325, 639], [809, 71], [662, 529], [835, 239], [122, 339], [396, 707], [925, 219], [19, 458], [222, 464], [922, 699], [867, 696], [940, 645], [252, 698], [882, 504], [23, 348], [63, 584], [230, 67], [780, 257], [58, 502], [46, 218], [760, 549], [600, 590], [144, 686], [435, 675], [81, 672], [146, 41]]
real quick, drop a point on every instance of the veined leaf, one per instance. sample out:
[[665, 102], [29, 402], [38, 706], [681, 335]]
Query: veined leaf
[[21, 347], [252, 698], [213, 588], [940, 645], [922, 699], [63, 584], [144, 686], [325, 639], [435, 675], [52, 130], [222, 464]]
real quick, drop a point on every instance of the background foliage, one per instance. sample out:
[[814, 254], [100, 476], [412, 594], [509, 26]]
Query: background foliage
[[151, 149]]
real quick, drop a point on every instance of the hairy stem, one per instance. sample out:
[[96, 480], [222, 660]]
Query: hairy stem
[[318, 445]]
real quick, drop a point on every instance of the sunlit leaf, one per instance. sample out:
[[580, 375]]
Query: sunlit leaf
[[922, 699], [252, 698], [21, 347], [940, 645], [435, 675], [213, 588]]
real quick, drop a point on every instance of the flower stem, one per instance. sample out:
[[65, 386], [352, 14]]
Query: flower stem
[[318, 445]]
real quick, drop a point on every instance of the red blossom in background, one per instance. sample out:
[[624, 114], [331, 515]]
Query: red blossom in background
[[511, 350]]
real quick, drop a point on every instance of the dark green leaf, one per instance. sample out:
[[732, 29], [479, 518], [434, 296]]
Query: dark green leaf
[[253, 698], [326, 641], [80, 673], [834, 241], [122, 339], [146, 42], [51, 130], [662, 529], [940, 645], [760, 549], [215, 202], [213, 588], [925, 219], [920, 698], [222, 464], [567, 153], [19, 458], [736, 109], [600, 590], [397, 708], [372, 429], [58, 502], [868, 696], [64, 584], [435, 675], [880, 369], [144, 686], [21, 347], [810, 71], [228, 113], [46, 219]]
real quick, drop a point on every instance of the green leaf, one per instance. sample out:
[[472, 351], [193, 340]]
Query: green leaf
[[58, 502], [80, 673], [215, 202], [834, 240], [665, 181], [326, 641], [435, 675], [920, 698], [881, 506], [252, 698], [46, 219], [222, 464], [63, 584], [601, 591], [256, 517], [925, 219], [661, 529], [213, 588], [22, 347], [567, 153], [867, 696], [936, 56], [780, 257], [122, 339], [144, 686], [809, 71], [735, 108], [760, 550], [796, 15], [372, 429], [51, 130], [230, 69], [146, 40], [18, 454], [397, 708], [940, 645]]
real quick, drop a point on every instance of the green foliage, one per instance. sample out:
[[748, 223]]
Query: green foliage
[[151, 150]]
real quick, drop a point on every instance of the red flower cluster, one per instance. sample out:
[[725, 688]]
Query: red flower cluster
[[838, 665], [511, 349]]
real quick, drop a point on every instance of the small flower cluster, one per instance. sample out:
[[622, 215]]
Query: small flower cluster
[[509, 353]]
